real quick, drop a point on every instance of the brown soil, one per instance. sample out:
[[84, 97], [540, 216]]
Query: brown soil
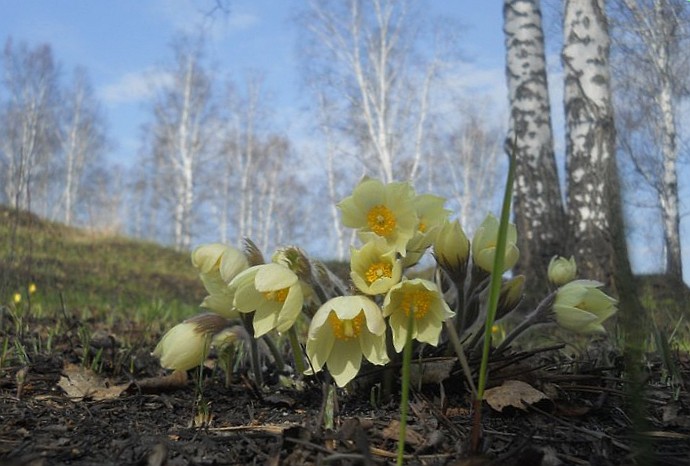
[[587, 420]]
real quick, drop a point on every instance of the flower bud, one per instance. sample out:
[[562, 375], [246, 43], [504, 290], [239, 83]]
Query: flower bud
[[484, 245], [452, 249], [562, 270], [511, 295], [581, 307], [186, 345]]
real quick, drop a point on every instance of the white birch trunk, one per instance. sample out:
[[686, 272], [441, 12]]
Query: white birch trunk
[[539, 215]]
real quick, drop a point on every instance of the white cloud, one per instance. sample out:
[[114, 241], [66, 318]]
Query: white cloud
[[135, 86]]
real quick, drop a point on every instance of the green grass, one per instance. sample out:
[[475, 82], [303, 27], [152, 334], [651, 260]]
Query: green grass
[[94, 275]]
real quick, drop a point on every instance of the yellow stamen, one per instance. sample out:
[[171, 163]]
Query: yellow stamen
[[381, 220], [418, 301], [277, 295], [422, 226], [346, 329], [378, 270]]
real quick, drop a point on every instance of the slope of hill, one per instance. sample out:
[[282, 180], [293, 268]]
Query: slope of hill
[[89, 270]]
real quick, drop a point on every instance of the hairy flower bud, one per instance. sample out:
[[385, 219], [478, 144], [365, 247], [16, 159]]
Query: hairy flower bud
[[452, 250], [484, 245], [562, 270]]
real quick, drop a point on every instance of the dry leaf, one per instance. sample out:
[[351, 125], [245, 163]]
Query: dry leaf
[[392, 432], [174, 381], [513, 393], [79, 383]]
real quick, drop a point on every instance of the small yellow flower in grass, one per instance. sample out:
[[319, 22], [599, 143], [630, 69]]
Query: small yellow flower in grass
[[186, 345], [421, 298], [218, 264], [582, 307], [452, 250], [385, 211], [375, 268], [32, 288], [343, 330], [431, 215], [484, 245], [274, 292], [17, 298], [562, 270]]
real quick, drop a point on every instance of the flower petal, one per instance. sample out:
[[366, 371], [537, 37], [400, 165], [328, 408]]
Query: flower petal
[[344, 361]]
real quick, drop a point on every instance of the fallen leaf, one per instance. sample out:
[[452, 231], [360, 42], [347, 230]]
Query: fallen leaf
[[174, 381], [412, 437], [513, 393], [79, 383]]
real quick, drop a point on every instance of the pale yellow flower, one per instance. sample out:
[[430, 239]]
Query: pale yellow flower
[[273, 292], [17, 298], [186, 345], [581, 307], [374, 268], [431, 215], [343, 330], [562, 270], [452, 249], [32, 288], [421, 298], [484, 245], [385, 211], [218, 264]]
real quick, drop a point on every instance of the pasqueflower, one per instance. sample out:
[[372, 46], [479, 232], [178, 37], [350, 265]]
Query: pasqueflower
[[273, 292], [452, 249], [374, 268], [382, 210], [431, 215], [421, 298], [186, 345], [562, 270], [343, 330], [484, 245], [582, 307], [218, 264]]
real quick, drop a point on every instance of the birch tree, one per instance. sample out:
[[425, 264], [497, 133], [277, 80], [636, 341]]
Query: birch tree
[[652, 38], [82, 139], [539, 214], [27, 119], [593, 192], [180, 133], [361, 53]]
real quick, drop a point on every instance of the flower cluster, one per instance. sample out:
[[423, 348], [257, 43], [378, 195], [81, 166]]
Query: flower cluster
[[395, 227]]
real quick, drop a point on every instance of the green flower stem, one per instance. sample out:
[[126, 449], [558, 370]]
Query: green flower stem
[[460, 352], [275, 352], [404, 397], [248, 322], [494, 294], [296, 351], [538, 316]]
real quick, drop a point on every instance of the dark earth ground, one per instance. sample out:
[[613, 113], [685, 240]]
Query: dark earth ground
[[149, 420]]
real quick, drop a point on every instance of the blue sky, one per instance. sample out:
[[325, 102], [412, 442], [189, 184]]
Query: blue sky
[[123, 45]]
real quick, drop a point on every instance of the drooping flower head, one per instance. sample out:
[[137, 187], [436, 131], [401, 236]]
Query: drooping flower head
[[218, 264], [582, 307], [273, 292], [343, 330], [421, 298], [385, 211], [374, 267], [562, 270], [431, 215], [484, 245], [186, 345]]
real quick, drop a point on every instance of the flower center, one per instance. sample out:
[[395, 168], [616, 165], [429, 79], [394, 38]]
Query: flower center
[[346, 329], [417, 302], [277, 295], [422, 226], [378, 270], [381, 220]]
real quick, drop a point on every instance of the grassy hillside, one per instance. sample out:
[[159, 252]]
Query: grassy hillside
[[96, 274]]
